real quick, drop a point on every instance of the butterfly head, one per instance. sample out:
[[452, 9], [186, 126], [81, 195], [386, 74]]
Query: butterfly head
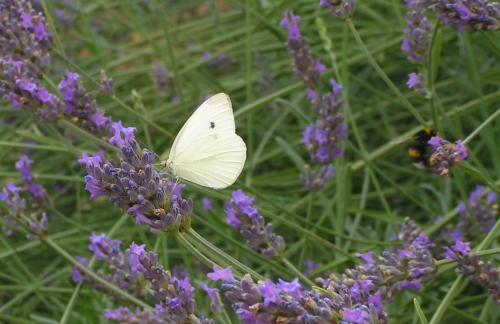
[[170, 166]]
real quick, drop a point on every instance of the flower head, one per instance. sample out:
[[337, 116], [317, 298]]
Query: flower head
[[133, 270], [417, 82], [305, 67], [224, 275], [243, 216], [484, 211], [162, 77], [478, 15], [445, 155], [343, 9], [137, 187], [484, 274], [323, 138]]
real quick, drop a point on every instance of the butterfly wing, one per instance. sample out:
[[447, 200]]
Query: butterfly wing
[[207, 150], [214, 161], [214, 115]]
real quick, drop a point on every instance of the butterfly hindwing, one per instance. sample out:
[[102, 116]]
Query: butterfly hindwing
[[217, 163]]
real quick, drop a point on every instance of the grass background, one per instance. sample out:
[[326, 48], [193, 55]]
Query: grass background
[[375, 184]]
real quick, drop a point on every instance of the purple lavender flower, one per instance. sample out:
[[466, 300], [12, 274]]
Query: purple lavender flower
[[23, 165], [38, 227], [15, 204], [38, 200], [25, 40], [107, 86], [243, 216], [137, 187], [207, 204], [304, 66], [215, 305], [175, 296], [66, 15], [132, 271], [315, 180], [221, 62], [479, 15], [39, 197], [23, 90], [120, 267], [224, 275], [163, 78], [343, 9], [417, 83], [382, 277], [484, 274], [180, 272], [125, 315], [289, 302], [21, 86], [484, 212], [81, 109], [311, 267], [322, 139], [416, 43], [445, 155], [25, 36]]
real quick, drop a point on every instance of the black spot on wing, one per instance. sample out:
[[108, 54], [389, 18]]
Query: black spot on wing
[[212, 125]]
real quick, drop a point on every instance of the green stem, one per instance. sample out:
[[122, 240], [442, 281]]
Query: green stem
[[223, 255], [170, 45], [87, 135], [308, 220], [206, 261], [48, 16], [436, 318], [481, 127]]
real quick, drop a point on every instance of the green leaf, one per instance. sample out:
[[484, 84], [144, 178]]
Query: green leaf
[[419, 312]]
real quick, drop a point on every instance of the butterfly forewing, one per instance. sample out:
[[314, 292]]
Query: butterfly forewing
[[213, 116]]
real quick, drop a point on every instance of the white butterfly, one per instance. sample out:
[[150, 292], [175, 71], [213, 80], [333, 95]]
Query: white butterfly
[[207, 150]]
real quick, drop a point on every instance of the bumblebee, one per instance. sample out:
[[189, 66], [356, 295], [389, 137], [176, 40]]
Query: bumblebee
[[418, 150]]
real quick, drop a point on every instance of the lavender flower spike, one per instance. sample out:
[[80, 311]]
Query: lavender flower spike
[[175, 296], [484, 211], [343, 9], [25, 36], [304, 66], [120, 267], [416, 43], [38, 227], [243, 216], [446, 155], [289, 302], [135, 186], [16, 205], [322, 139], [315, 180], [484, 274], [479, 15]]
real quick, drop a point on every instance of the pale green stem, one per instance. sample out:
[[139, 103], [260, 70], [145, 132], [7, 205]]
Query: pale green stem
[[223, 255]]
